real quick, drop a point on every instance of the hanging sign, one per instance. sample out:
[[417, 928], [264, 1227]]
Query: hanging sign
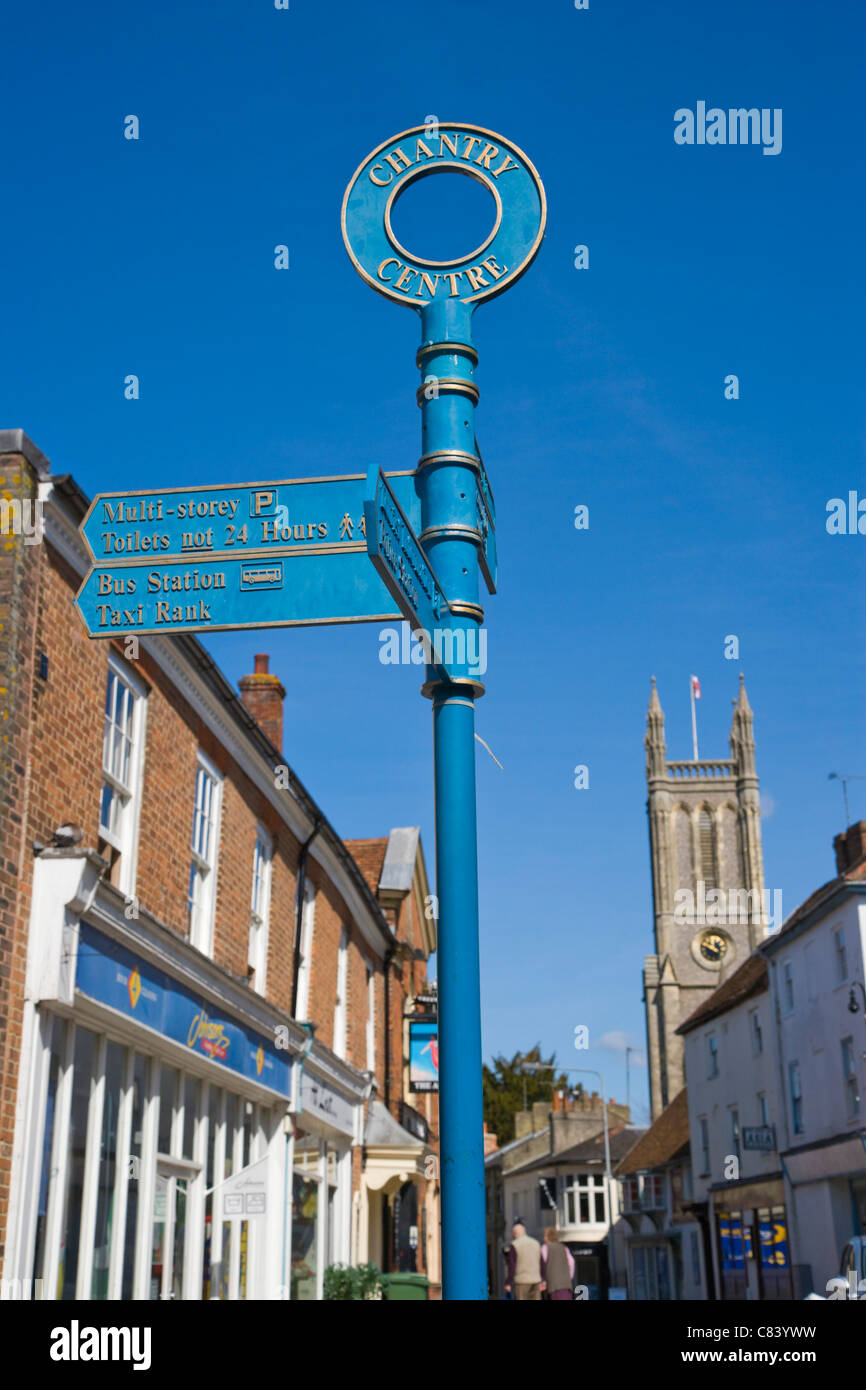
[[321, 1102], [244, 1195]]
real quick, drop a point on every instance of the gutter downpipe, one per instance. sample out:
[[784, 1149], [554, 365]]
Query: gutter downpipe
[[389, 956]]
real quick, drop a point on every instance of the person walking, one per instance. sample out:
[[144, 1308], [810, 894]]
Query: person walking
[[524, 1266], [557, 1266]]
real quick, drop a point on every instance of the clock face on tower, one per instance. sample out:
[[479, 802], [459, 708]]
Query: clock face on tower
[[712, 946]]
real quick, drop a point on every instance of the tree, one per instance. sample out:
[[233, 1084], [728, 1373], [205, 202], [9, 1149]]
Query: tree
[[507, 1088]]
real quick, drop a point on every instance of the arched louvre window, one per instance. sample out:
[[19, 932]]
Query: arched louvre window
[[706, 835]]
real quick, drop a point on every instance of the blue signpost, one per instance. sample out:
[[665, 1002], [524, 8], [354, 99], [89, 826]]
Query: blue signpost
[[457, 536], [309, 515], [299, 552], [399, 558], [273, 554]]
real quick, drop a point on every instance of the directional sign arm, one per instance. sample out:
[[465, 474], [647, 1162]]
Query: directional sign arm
[[400, 561]]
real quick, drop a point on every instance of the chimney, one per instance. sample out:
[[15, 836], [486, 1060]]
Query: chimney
[[522, 1123], [850, 847], [491, 1141], [263, 696]]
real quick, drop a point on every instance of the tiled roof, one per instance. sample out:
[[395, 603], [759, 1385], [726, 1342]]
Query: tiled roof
[[590, 1150], [821, 895], [664, 1139], [495, 1155], [369, 855], [749, 979]]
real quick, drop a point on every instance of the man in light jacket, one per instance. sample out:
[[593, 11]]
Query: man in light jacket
[[524, 1266]]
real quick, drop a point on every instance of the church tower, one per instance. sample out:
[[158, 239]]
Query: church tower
[[709, 908]]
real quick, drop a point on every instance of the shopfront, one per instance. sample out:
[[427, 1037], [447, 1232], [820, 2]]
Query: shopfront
[[653, 1270], [324, 1126], [828, 1182], [397, 1209], [752, 1241], [149, 1079]]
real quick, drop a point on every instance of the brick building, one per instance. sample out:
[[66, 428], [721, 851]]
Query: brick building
[[198, 978]]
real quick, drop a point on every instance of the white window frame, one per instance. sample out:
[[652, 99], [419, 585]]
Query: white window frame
[[796, 1098], [695, 1248], [341, 1010], [577, 1185], [712, 1056], [763, 1109], [203, 868], [644, 1270], [841, 955], [687, 1186], [630, 1194], [653, 1192], [260, 908], [851, 1079], [705, 1145], [305, 965], [788, 987], [134, 1241], [736, 1133], [124, 839]]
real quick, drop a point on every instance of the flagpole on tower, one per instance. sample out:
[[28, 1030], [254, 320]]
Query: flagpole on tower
[[695, 693]]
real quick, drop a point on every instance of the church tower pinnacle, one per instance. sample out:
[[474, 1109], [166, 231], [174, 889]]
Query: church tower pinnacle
[[654, 741]]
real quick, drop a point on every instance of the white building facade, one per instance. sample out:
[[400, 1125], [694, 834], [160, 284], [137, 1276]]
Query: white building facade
[[776, 1067], [817, 969], [734, 1123]]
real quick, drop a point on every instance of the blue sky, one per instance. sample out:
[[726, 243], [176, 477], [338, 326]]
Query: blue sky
[[602, 386]]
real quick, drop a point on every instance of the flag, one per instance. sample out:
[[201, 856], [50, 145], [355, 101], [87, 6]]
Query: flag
[[696, 687]]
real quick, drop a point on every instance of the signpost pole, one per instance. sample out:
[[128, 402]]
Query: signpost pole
[[434, 576], [447, 485]]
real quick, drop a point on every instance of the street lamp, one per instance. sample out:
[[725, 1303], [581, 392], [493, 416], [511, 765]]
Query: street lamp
[[588, 1071], [853, 1006]]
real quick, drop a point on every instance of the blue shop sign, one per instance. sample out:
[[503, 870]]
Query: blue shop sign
[[110, 974]]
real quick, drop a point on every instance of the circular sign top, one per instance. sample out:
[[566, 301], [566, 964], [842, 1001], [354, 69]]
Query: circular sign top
[[511, 245]]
